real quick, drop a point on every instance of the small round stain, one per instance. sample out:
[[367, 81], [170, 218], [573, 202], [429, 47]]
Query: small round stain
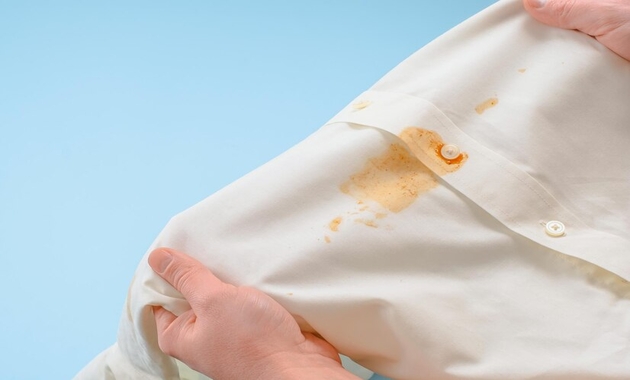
[[334, 224]]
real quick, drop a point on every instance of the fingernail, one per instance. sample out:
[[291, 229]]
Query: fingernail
[[537, 3], [162, 259]]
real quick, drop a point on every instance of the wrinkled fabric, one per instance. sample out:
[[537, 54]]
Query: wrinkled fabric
[[419, 266]]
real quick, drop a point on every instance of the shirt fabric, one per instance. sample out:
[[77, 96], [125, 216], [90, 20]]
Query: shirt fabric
[[420, 266]]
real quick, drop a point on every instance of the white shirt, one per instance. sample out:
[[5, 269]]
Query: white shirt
[[505, 255]]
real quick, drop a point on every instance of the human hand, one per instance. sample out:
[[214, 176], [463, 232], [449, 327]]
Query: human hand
[[606, 20], [235, 332]]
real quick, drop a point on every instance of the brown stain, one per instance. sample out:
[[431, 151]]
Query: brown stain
[[289, 294], [522, 70], [394, 179], [380, 215], [425, 142], [481, 108], [367, 222], [327, 239], [334, 224]]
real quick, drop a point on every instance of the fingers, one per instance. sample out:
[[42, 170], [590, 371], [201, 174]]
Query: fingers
[[594, 17], [606, 20], [173, 331], [187, 275], [321, 346], [163, 319]]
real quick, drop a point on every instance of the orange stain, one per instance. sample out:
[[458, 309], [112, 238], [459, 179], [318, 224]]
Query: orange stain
[[367, 222], [394, 179], [334, 224], [425, 142], [481, 108]]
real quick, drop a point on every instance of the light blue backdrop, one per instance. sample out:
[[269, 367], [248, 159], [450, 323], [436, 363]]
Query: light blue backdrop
[[116, 115]]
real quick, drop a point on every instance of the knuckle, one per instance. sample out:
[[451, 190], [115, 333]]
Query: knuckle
[[185, 276], [206, 303], [595, 18], [213, 301], [565, 10], [617, 17]]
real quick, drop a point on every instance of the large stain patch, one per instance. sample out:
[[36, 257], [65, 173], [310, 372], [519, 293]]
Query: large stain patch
[[393, 179], [396, 178]]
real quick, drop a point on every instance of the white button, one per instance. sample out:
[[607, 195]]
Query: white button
[[361, 105], [554, 228], [450, 152]]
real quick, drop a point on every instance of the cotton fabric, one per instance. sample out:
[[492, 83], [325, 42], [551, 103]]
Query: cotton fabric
[[418, 267]]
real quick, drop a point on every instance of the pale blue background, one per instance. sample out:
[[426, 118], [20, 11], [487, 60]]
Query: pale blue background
[[116, 115]]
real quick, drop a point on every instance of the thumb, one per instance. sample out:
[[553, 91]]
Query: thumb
[[606, 20], [588, 16]]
